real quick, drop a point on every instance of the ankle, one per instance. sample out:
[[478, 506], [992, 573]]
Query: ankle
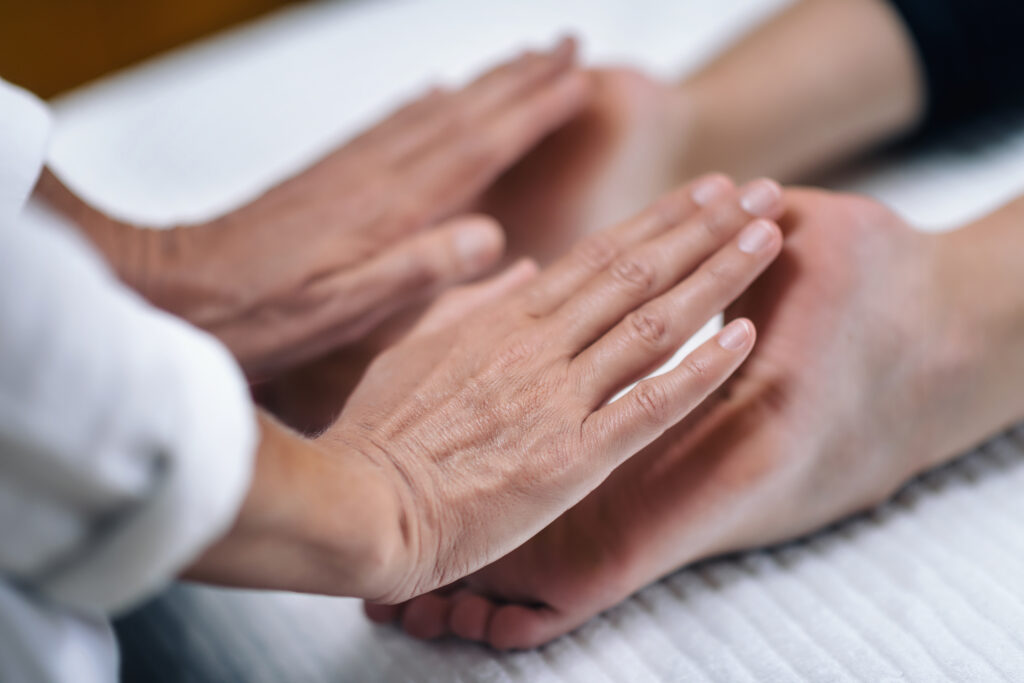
[[977, 358]]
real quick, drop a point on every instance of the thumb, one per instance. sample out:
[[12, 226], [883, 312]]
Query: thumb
[[459, 302], [425, 264], [453, 251]]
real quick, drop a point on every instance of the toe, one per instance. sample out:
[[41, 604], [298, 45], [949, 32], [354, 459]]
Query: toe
[[426, 617], [470, 615], [517, 627], [382, 614]]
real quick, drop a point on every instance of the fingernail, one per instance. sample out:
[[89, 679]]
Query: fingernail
[[760, 197], [756, 236], [474, 246], [735, 335], [708, 190]]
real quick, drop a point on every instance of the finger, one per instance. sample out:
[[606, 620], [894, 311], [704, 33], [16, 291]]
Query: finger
[[431, 127], [595, 253], [502, 85], [649, 335], [396, 136], [435, 185], [440, 115], [346, 305], [426, 616], [458, 303], [434, 117], [651, 268], [652, 406]]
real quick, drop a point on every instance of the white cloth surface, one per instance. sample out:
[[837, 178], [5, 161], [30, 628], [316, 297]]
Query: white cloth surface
[[126, 436], [929, 587]]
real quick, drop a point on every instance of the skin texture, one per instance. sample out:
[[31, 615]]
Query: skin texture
[[857, 307], [320, 260], [614, 157], [491, 418], [637, 136], [760, 108]]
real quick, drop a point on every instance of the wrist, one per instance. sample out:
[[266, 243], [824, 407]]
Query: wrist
[[141, 257], [122, 245], [318, 518]]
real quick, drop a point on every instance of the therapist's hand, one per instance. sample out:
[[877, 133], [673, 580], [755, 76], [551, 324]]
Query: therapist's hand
[[321, 259], [492, 417]]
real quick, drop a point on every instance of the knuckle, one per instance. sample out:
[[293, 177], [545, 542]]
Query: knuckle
[[479, 151], [420, 272], [652, 401], [720, 274], [564, 457], [667, 211], [649, 327], [408, 214], [512, 354], [532, 300], [716, 221], [596, 252], [699, 370], [636, 274]]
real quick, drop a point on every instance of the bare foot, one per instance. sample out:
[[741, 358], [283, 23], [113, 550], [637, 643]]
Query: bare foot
[[607, 163], [862, 377]]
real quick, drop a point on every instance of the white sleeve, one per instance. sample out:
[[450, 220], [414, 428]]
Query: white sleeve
[[126, 436]]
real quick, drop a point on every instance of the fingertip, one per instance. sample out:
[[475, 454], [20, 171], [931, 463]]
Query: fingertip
[[479, 242], [762, 198], [524, 269], [761, 236], [566, 46], [738, 336], [710, 187]]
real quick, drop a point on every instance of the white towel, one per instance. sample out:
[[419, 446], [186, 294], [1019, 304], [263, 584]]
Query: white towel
[[929, 587]]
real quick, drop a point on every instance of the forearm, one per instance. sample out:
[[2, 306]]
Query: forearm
[[823, 81], [313, 521]]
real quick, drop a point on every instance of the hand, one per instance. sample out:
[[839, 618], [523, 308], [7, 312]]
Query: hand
[[623, 149], [873, 363], [321, 259], [611, 159], [491, 417]]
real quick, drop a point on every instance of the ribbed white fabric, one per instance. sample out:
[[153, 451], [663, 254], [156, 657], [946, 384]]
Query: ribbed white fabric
[[930, 587]]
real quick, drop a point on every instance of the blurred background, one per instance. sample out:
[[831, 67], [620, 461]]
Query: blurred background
[[172, 111], [49, 46]]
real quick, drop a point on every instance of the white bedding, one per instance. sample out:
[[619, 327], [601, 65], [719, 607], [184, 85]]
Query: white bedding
[[929, 587]]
